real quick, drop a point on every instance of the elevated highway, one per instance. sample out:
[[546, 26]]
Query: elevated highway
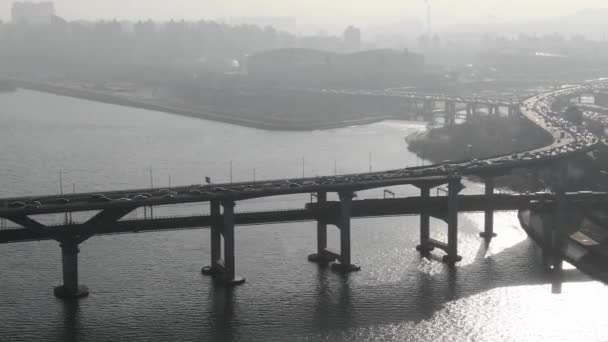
[[567, 141], [112, 206], [328, 211]]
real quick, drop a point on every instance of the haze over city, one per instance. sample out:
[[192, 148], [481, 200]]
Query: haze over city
[[265, 170], [331, 16]]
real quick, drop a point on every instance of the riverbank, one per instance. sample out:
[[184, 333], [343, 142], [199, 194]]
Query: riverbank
[[176, 106], [482, 138]]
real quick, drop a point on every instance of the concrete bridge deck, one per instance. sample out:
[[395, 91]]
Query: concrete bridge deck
[[568, 140], [327, 211]]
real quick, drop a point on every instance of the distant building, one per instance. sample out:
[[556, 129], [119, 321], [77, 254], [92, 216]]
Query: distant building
[[308, 67], [526, 61], [601, 98], [352, 38], [32, 13]]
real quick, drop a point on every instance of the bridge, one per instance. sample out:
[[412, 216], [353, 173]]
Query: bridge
[[113, 206], [431, 105]]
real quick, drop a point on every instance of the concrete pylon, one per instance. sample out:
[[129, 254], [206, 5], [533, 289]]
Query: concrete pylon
[[425, 245], [216, 240], [345, 264], [561, 209], [224, 272], [322, 255], [454, 187], [488, 231], [428, 106], [69, 258], [450, 112], [547, 239], [229, 276]]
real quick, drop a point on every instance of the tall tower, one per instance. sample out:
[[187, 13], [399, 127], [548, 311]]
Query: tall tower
[[352, 38], [428, 17]]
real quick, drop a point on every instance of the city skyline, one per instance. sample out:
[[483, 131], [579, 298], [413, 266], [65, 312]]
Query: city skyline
[[318, 14]]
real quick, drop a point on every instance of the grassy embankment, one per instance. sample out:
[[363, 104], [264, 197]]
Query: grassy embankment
[[482, 138]]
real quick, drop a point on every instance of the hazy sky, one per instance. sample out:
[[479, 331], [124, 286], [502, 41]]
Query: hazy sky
[[358, 11]]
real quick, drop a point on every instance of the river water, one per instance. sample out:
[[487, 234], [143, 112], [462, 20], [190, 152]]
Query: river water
[[148, 286]]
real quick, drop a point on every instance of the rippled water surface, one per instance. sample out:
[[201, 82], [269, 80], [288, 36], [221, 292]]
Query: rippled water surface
[[148, 286]]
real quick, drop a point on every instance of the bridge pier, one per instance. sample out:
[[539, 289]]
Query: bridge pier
[[561, 207], [225, 272], [547, 239], [451, 218], [552, 234], [69, 258], [555, 221], [428, 106], [454, 187], [488, 231], [322, 255], [450, 113], [215, 239], [345, 265], [425, 245]]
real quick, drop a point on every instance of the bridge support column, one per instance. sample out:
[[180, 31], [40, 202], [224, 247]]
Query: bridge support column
[[229, 276], [425, 245], [322, 255], [552, 234], [428, 106], [69, 257], [224, 272], [554, 223], [450, 113], [454, 187], [547, 238], [216, 240], [488, 231], [561, 207], [345, 264]]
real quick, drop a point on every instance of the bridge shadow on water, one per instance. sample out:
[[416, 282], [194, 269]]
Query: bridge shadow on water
[[341, 302]]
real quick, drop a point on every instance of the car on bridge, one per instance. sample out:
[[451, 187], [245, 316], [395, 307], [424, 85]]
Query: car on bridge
[[16, 205], [100, 198]]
